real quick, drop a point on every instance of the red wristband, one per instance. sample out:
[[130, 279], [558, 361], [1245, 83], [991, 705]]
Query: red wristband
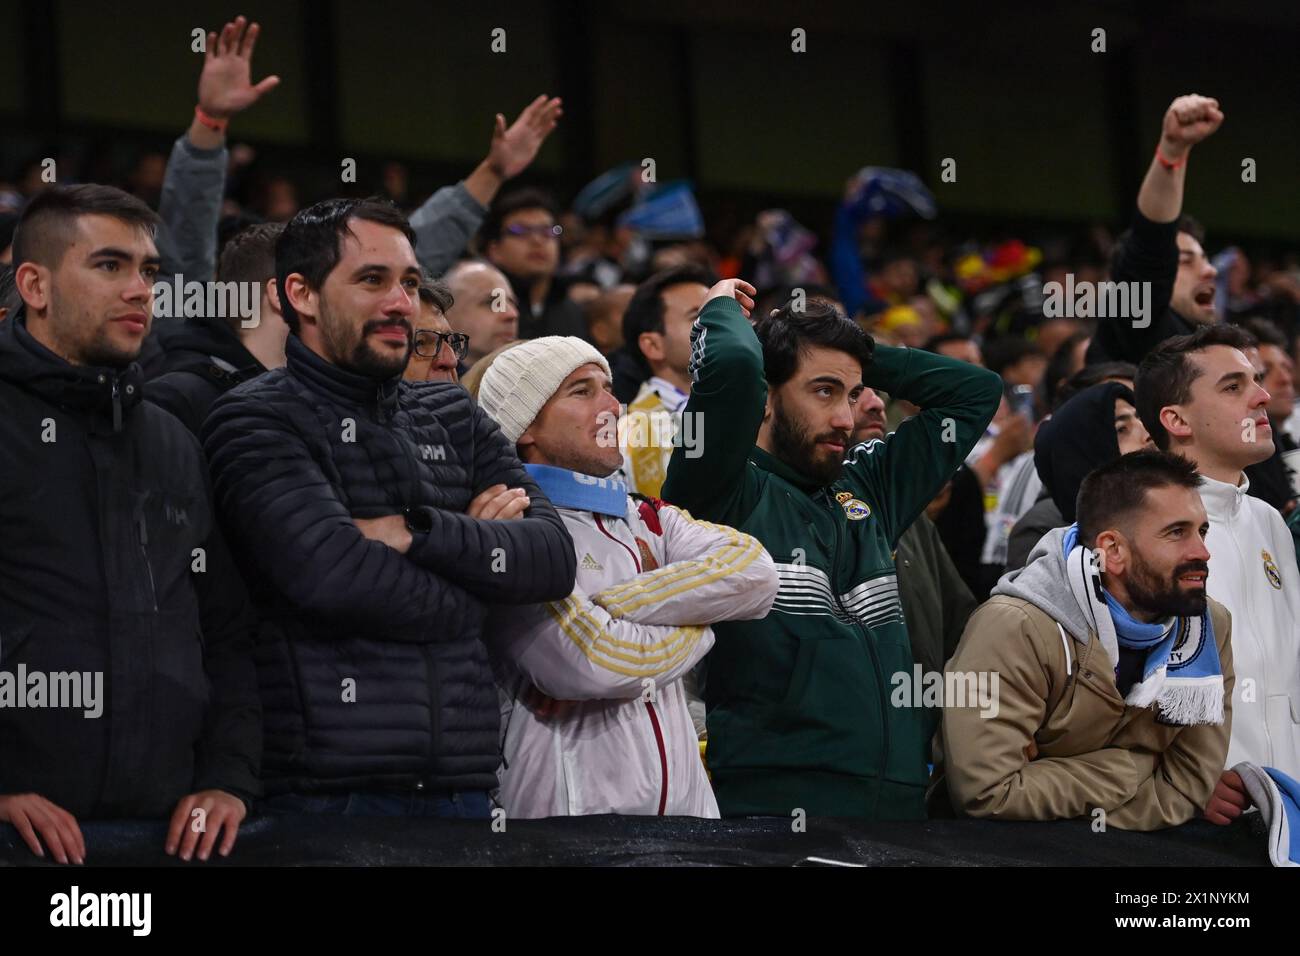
[[1168, 163], [212, 123]]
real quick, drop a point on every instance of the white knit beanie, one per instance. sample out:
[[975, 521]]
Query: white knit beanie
[[522, 379]]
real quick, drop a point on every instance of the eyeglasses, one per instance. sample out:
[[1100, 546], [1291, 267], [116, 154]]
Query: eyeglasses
[[428, 343], [540, 231]]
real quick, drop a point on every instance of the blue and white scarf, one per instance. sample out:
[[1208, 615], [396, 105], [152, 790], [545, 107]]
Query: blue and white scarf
[[570, 489], [1181, 674]]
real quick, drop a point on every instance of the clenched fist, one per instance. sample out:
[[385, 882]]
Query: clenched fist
[[1188, 120]]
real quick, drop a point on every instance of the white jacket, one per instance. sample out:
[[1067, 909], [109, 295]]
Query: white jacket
[[1253, 574], [594, 714]]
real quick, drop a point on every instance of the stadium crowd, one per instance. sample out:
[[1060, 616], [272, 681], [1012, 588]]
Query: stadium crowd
[[488, 504]]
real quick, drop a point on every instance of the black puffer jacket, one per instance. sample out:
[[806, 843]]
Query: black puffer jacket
[[204, 360], [296, 454], [103, 503]]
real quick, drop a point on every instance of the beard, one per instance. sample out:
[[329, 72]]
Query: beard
[[792, 444], [1164, 598], [354, 352]]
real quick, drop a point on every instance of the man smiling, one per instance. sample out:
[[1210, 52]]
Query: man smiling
[[1198, 395], [364, 508]]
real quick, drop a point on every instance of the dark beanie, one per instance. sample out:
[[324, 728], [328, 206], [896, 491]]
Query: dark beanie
[[1079, 437]]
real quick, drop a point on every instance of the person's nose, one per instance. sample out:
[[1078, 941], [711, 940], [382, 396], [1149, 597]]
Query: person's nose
[[843, 419], [139, 290], [1262, 397], [446, 357], [1209, 272], [1199, 552], [400, 301]]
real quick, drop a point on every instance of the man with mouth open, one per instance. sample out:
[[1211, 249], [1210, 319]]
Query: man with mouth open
[[799, 710], [370, 514], [1115, 671], [1200, 396], [1164, 247]]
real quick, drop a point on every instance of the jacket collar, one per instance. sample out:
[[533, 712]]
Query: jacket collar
[[106, 395], [338, 383], [1222, 500], [769, 462]]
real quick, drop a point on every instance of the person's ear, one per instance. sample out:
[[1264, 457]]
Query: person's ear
[[33, 284], [769, 409], [1111, 551], [302, 297], [651, 345], [1171, 417], [272, 290]]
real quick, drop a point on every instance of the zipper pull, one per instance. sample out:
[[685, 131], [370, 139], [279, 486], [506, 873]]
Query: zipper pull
[[117, 406], [144, 531]]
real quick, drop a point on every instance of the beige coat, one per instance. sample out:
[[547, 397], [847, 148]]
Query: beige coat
[[1061, 746]]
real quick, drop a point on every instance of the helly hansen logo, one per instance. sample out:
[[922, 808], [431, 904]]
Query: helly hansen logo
[[176, 515], [433, 453]]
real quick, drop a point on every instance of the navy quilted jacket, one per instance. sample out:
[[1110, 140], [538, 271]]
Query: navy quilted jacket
[[370, 662]]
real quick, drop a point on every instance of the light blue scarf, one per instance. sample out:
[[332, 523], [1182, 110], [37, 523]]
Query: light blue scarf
[[1181, 672], [569, 489]]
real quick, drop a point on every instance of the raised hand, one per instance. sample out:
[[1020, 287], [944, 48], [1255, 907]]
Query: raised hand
[[1188, 120], [225, 85], [515, 147]]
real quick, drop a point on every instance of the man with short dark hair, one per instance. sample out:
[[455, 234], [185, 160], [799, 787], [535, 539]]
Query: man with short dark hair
[[657, 329], [208, 355], [370, 514], [1163, 247], [799, 713], [521, 237], [1113, 669], [1199, 395], [1276, 480], [112, 569]]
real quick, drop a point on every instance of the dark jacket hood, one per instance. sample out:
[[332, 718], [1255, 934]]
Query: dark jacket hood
[[1079, 437]]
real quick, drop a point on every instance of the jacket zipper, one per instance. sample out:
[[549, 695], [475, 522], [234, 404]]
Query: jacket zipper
[[871, 650], [117, 406], [142, 534], [663, 756], [1259, 641]]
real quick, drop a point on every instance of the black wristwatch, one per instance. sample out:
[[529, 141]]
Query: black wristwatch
[[418, 521]]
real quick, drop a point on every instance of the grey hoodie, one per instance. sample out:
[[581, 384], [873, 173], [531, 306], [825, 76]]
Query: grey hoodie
[[1042, 582]]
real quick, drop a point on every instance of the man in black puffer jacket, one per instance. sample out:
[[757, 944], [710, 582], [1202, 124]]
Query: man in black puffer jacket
[[115, 586], [375, 519]]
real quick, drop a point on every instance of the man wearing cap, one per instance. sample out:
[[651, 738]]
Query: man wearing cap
[[596, 717]]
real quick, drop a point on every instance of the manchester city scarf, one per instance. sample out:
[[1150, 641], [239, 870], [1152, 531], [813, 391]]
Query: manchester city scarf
[[569, 489], [1181, 673]]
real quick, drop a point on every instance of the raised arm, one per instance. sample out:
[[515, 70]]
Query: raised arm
[[728, 393], [195, 180], [448, 219], [902, 473]]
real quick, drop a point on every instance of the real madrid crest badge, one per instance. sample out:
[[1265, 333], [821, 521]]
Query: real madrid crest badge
[[854, 508], [1270, 569]]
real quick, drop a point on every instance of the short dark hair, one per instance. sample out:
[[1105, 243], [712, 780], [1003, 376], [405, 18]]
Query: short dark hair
[[436, 293], [1004, 352], [1192, 227], [645, 310], [933, 342], [249, 255], [508, 205], [311, 243], [787, 335], [1112, 492], [1089, 376], [1165, 376], [1264, 331], [48, 223], [9, 298], [1058, 366]]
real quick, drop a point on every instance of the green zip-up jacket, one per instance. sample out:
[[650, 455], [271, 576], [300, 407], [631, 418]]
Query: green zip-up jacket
[[799, 703]]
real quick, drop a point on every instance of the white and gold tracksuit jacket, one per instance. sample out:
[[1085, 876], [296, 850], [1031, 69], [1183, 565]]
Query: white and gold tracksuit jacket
[[594, 716]]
